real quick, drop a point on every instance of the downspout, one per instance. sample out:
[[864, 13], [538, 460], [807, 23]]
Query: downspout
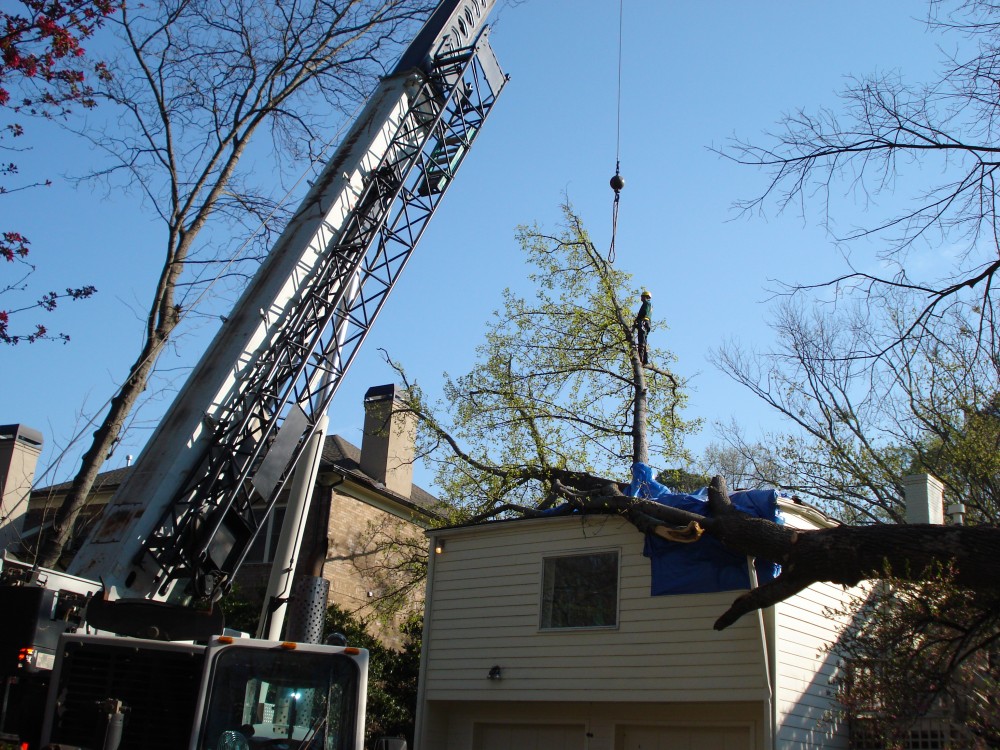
[[425, 643], [770, 718]]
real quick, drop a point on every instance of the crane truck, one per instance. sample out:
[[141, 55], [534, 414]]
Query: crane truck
[[149, 665]]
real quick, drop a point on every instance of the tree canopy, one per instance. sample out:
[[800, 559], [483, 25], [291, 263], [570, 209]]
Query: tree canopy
[[558, 391], [550, 415]]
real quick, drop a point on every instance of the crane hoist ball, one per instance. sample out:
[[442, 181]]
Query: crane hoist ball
[[617, 183]]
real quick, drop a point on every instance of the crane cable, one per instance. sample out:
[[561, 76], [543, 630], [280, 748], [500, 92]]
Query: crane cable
[[617, 183]]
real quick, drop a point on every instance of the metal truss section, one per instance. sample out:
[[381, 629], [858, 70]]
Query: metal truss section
[[258, 437]]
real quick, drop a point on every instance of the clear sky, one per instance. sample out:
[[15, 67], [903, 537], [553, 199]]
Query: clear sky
[[694, 74]]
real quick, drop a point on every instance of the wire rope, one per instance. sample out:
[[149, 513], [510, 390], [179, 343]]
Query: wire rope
[[617, 183]]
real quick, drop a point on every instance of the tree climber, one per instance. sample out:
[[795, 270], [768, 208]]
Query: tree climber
[[642, 324]]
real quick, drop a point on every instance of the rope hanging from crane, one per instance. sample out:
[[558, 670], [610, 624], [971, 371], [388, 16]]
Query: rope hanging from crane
[[617, 182]]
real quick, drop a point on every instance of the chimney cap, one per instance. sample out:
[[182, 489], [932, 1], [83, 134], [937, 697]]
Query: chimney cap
[[382, 392], [21, 432]]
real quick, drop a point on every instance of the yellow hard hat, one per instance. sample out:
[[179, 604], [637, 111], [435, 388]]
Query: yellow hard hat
[[646, 295]]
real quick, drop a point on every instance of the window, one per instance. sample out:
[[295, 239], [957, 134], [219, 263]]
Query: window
[[580, 591], [274, 698]]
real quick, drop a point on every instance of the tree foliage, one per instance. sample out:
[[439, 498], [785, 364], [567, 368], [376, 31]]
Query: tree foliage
[[682, 480], [43, 73], [393, 566], [529, 457], [392, 675], [887, 373], [922, 649], [558, 391], [860, 425]]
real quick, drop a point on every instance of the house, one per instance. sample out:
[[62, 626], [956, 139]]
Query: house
[[542, 633], [361, 494], [20, 447]]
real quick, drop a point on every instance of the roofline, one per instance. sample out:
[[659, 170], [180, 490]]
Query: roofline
[[785, 504], [364, 481], [331, 468]]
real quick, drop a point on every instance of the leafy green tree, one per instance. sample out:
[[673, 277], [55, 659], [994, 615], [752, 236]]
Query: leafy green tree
[[559, 390], [682, 480], [240, 610], [560, 394]]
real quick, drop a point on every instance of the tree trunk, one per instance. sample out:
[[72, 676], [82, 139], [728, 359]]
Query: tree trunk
[[105, 438], [162, 320], [640, 439]]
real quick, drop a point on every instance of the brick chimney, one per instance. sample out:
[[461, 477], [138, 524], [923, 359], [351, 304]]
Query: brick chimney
[[387, 446], [20, 447], [924, 499]]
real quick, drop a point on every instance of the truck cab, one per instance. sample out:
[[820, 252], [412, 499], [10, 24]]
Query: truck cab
[[228, 694]]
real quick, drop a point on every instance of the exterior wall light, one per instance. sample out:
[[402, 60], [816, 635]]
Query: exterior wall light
[[438, 546], [494, 673]]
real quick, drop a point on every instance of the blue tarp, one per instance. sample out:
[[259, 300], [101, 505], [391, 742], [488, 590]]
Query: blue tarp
[[703, 566]]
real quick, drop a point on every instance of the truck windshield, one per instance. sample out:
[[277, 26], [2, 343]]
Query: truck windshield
[[277, 699]]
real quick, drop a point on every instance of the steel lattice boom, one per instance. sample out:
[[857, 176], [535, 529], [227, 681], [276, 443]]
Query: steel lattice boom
[[213, 471]]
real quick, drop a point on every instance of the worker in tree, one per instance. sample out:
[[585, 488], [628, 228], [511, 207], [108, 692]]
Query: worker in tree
[[642, 324]]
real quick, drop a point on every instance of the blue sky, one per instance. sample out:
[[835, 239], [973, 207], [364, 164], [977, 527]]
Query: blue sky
[[694, 75]]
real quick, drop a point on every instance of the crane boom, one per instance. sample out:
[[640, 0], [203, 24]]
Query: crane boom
[[184, 519]]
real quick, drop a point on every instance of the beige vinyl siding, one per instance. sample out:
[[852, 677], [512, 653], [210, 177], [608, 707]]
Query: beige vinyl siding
[[804, 628], [484, 611], [805, 702]]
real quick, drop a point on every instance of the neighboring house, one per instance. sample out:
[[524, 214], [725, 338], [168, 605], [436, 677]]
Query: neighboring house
[[20, 447], [359, 494], [542, 633]]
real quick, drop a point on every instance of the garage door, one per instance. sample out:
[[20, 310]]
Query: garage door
[[529, 736], [684, 738]]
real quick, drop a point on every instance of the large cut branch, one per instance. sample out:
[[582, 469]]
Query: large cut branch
[[842, 555]]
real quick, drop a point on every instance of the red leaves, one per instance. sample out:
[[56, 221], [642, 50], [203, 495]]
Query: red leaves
[[42, 42], [40, 48], [13, 245], [47, 302]]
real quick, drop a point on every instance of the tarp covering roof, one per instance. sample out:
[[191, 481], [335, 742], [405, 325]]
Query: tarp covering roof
[[703, 566]]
